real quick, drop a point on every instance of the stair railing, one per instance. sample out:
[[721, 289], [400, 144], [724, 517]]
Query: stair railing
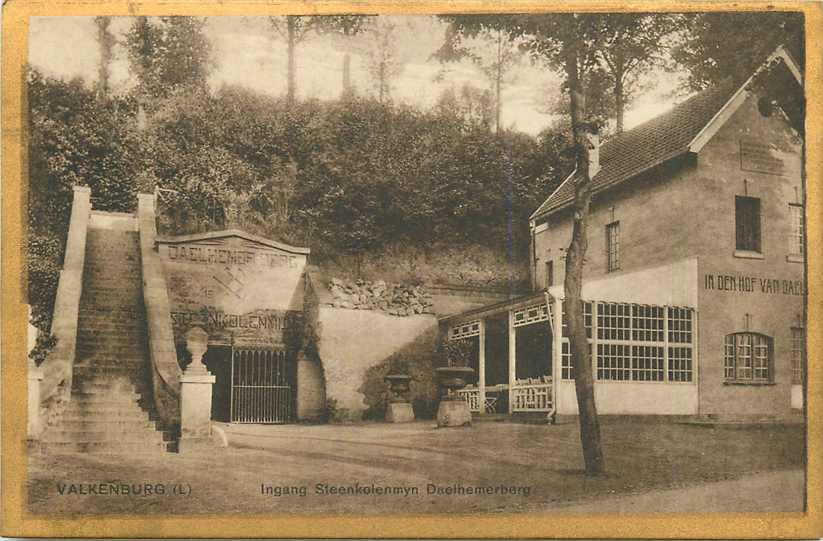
[[165, 370], [57, 368]]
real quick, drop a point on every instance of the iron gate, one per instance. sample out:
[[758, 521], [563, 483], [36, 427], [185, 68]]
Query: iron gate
[[261, 386]]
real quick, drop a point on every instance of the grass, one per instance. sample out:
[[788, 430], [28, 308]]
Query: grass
[[640, 457]]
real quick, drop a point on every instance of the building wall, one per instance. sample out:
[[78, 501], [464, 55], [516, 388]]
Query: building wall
[[352, 341], [771, 293], [689, 211]]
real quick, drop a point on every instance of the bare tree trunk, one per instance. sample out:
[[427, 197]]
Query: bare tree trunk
[[498, 82], [346, 73], [291, 74], [105, 41], [618, 101], [578, 342]]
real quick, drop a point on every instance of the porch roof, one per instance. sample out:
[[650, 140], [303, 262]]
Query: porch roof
[[496, 308]]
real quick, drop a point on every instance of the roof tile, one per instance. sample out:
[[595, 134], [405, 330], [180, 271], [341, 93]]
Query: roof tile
[[649, 144]]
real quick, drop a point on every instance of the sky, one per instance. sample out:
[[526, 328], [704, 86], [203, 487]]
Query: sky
[[248, 53]]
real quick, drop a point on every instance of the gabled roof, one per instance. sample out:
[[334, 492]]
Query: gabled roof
[[685, 128], [228, 233]]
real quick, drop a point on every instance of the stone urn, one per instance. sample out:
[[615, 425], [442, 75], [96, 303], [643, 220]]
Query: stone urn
[[398, 410], [452, 378], [453, 409]]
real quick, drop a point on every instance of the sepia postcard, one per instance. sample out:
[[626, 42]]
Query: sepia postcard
[[430, 270]]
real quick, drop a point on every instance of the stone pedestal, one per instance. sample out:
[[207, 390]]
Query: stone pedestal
[[453, 413], [195, 408], [399, 412], [195, 395], [34, 425]]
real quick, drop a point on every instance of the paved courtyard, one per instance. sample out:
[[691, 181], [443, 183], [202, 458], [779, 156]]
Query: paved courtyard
[[415, 468]]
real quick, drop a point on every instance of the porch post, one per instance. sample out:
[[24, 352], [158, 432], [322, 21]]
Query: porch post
[[512, 360], [557, 347], [481, 366]]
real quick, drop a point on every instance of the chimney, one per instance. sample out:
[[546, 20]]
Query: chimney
[[594, 153]]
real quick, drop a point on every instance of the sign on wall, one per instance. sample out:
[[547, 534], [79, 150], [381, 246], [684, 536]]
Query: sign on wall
[[745, 283], [759, 157], [236, 286]]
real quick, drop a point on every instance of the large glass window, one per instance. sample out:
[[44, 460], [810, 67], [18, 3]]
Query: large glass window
[[747, 223], [748, 357], [636, 342]]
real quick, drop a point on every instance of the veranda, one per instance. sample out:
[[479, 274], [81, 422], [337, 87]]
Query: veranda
[[520, 369]]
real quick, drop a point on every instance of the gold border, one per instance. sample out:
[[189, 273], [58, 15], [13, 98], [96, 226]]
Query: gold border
[[15, 522]]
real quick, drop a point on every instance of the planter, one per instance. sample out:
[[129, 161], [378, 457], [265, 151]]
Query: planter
[[453, 378], [398, 410], [399, 385]]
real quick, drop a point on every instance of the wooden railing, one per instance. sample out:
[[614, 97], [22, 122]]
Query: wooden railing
[[472, 396], [532, 394]]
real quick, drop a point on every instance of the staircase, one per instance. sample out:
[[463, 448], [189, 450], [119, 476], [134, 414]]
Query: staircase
[[110, 410]]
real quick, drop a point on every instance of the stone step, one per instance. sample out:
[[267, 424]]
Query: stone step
[[105, 395], [94, 411], [87, 373], [118, 448], [94, 415], [109, 424], [115, 433]]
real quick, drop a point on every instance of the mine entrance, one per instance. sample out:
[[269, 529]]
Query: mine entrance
[[262, 386]]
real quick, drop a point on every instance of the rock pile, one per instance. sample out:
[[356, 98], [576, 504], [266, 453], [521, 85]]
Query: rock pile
[[395, 299]]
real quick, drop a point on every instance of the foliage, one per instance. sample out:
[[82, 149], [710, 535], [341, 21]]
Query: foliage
[[43, 346], [76, 137], [383, 59], [168, 55], [719, 44], [457, 352]]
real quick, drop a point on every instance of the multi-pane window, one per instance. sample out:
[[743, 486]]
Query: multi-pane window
[[613, 246], [747, 223], [747, 357], [796, 239], [798, 350], [632, 342], [549, 274]]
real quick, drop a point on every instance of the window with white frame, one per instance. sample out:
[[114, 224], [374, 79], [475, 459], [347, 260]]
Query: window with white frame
[[747, 358], [636, 342], [613, 246], [798, 351], [796, 239]]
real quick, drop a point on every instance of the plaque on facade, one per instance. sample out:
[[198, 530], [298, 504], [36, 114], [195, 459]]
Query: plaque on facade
[[759, 157]]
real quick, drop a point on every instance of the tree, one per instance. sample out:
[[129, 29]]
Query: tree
[[632, 46], [717, 45], [473, 106], [168, 55], [106, 42], [569, 43], [294, 29], [346, 26], [490, 49], [384, 64]]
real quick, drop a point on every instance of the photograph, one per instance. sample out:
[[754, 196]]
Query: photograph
[[414, 264]]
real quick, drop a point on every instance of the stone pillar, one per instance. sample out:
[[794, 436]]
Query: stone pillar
[[35, 376], [195, 394]]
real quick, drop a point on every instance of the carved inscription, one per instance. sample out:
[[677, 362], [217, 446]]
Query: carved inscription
[[208, 255]]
